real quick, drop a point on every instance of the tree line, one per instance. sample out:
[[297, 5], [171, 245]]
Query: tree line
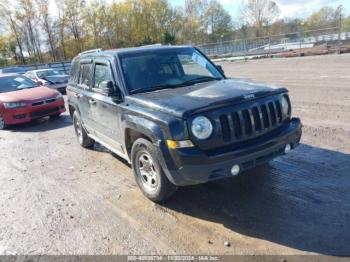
[[35, 32]]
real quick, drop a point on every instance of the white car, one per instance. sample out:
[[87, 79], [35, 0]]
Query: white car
[[49, 77]]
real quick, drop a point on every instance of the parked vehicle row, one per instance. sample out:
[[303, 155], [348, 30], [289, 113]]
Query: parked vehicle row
[[52, 78]]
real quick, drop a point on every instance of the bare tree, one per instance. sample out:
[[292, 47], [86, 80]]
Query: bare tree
[[74, 18], [60, 26], [28, 16], [47, 24], [7, 14], [260, 14]]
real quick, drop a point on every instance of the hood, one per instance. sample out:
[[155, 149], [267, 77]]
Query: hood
[[57, 78], [30, 94], [183, 101]]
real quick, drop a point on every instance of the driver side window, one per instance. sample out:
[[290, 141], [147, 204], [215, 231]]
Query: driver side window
[[102, 73]]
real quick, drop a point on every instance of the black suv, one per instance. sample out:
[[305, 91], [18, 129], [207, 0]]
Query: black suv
[[172, 114]]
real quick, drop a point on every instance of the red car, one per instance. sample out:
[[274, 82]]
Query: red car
[[22, 100]]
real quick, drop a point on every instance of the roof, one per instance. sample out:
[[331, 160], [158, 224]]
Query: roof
[[131, 50], [44, 69]]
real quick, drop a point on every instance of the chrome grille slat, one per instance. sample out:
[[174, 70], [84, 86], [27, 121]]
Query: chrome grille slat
[[248, 122]]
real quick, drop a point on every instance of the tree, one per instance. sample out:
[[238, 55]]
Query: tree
[[7, 14], [323, 18], [339, 16], [73, 11], [218, 21], [27, 16], [194, 27], [47, 25], [260, 14]]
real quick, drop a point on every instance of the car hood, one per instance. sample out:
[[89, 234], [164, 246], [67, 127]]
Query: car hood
[[30, 94], [183, 101], [57, 78]]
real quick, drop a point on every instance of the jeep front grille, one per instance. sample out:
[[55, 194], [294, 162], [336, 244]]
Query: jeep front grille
[[248, 122]]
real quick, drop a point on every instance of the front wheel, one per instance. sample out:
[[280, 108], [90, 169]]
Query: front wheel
[[2, 123], [148, 173], [83, 138]]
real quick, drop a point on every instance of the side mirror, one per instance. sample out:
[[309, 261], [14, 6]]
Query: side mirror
[[219, 67], [106, 88]]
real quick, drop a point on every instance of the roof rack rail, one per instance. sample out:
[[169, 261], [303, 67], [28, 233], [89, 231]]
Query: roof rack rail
[[91, 51], [158, 44]]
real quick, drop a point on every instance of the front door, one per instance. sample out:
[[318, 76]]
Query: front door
[[105, 110]]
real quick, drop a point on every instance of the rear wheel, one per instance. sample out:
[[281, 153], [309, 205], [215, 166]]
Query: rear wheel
[[148, 173], [2, 123], [83, 139]]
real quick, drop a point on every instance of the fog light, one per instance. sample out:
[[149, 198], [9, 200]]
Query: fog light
[[235, 170], [287, 148]]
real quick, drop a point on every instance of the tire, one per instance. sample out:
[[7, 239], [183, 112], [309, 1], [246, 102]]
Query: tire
[[2, 123], [55, 116], [83, 139], [148, 173]]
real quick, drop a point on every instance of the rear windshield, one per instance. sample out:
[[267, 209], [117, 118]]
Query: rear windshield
[[45, 73], [14, 83]]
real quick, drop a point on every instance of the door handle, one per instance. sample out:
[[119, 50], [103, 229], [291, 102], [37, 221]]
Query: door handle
[[77, 95], [92, 101]]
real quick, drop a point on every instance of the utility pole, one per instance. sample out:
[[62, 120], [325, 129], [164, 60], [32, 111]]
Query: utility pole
[[340, 12]]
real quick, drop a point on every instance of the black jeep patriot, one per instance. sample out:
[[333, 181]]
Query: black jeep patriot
[[172, 114]]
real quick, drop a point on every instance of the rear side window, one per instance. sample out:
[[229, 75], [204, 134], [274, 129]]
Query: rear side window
[[74, 73], [85, 77]]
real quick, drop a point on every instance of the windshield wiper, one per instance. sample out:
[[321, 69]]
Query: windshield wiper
[[200, 80], [154, 88]]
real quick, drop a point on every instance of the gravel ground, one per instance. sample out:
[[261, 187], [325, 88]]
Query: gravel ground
[[58, 198]]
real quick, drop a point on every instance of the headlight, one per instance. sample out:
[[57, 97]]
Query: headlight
[[14, 105], [59, 96], [201, 127], [285, 106]]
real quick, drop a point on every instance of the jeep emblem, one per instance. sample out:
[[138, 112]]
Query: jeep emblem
[[249, 96]]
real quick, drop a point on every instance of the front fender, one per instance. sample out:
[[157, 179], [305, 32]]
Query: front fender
[[145, 126]]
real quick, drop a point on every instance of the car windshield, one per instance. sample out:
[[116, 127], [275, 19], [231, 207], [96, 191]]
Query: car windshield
[[14, 83], [150, 70], [45, 73]]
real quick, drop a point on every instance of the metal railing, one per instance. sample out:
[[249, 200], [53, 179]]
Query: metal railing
[[269, 45], [63, 67]]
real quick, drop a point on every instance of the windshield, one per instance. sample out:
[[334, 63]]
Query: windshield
[[43, 74], [14, 83], [150, 70]]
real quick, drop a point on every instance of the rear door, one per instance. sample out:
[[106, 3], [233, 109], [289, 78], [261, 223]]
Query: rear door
[[105, 109], [83, 93]]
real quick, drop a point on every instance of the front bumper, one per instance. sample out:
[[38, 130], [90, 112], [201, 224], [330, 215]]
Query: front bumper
[[29, 113], [189, 166]]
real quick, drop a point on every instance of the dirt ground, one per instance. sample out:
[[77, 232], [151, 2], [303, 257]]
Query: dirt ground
[[58, 198]]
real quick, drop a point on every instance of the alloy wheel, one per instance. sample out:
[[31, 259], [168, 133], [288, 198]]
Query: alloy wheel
[[78, 129], [147, 171]]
